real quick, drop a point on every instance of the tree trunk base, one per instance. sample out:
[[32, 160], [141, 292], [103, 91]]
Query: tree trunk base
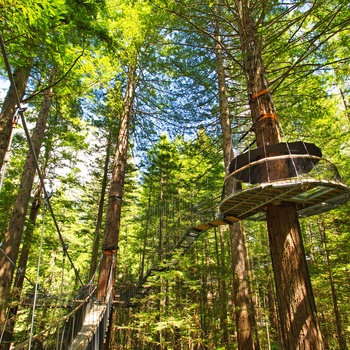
[[297, 310]]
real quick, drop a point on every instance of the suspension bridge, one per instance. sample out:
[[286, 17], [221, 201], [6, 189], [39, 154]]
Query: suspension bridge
[[314, 185], [86, 319]]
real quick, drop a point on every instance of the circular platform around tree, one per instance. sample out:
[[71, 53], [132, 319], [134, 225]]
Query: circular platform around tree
[[311, 196], [313, 183]]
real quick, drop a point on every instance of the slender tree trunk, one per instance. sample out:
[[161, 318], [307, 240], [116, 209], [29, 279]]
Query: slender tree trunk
[[14, 234], [242, 298], [96, 244], [112, 224], [20, 76], [159, 289], [220, 258], [161, 219], [107, 269], [271, 303], [338, 322], [145, 235], [345, 103], [207, 292], [22, 264]]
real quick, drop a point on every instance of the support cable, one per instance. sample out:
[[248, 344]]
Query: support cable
[[37, 277], [5, 324], [31, 147], [110, 275], [20, 271], [96, 270]]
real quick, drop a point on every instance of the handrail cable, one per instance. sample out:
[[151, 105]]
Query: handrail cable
[[21, 346], [96, 270], [31, 147], [20, 271], [37, 276]]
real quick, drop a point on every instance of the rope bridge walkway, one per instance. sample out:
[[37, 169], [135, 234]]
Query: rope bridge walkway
[[86, 323], [83, 327]]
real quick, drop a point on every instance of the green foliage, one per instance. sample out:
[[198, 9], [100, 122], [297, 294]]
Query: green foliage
[[176, 141]]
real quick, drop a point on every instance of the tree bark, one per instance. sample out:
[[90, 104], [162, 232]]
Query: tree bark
[[242, 298], [96, 244], [112, 224], [20, 76], [297, 310], [338, 321], [272, 307], [14, 234], [222, 287], [145, 235], [296, 305], [22, 264]]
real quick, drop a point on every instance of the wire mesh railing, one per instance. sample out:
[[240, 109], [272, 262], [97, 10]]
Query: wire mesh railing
[[295, 168], [59, 334]]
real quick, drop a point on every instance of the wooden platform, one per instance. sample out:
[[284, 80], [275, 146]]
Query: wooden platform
[[311, 196], [91, 322]]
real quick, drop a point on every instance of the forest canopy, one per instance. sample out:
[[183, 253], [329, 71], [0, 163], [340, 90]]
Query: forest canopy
[[114, 150]]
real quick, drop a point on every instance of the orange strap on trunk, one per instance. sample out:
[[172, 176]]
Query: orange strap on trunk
[[109, 252], [267, 116], [262, 92]]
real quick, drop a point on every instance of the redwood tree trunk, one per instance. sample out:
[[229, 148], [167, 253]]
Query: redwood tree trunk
[[14, 234], [20, 76], [96, 244], [242, 298], [22, 264], [296, 305], [297, 310], [112, 224]]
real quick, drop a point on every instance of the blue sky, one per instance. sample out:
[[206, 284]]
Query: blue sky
[[4, 85]]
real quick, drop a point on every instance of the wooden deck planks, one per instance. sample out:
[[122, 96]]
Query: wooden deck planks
[[91, 322]]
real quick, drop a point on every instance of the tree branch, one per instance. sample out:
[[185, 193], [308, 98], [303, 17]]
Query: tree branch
[[30, 97]]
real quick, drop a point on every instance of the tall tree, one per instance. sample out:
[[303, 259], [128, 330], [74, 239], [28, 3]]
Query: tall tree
[[241, 291], [16, 226], [297, 310], [17, 23], [136, 29], [116, 189], [20, 78], [101, 204]]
